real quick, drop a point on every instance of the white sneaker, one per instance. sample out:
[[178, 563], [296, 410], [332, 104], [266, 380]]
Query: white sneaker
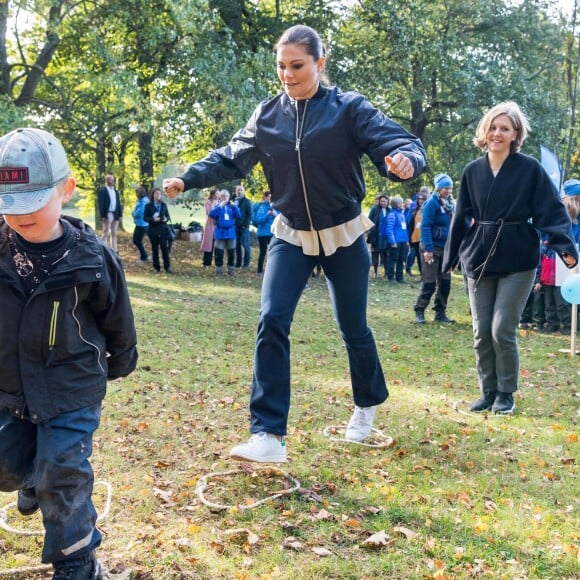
[[361, 423], [262, 447]]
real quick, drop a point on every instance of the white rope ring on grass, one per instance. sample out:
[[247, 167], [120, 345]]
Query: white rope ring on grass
[[386, 440], [202, 485], [486, 414], [26, 570], [4, 514]]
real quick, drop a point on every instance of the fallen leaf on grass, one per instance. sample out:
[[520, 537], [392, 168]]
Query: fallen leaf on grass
[[378, 540], [323, 515], [429, 545], [567, 460], [490, 505], [291, 543], [322, 552], [242, 536], [182, 542], [372, 510], [409, 534], [164, 496], [310, 494], [219, 547]]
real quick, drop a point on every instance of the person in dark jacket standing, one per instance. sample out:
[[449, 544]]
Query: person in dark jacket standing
[[437, 213], [379, 248], [243, 248], [156, 214], [505, 199], [67, 327], [110, 210], [310, 140]]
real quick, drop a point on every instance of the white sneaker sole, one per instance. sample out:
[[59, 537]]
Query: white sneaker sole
[[267, 459], [356, 439]]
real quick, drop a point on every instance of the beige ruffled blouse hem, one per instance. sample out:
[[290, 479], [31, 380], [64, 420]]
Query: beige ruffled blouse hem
[[330, 239]]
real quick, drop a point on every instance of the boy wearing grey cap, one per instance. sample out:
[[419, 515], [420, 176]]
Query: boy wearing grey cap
[[66, 327]]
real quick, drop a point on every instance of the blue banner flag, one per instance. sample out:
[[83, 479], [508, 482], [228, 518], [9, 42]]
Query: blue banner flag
[[552, 166]]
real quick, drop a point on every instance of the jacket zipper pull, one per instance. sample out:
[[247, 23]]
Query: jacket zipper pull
[[50, 356], [297, 147], [52, 333]]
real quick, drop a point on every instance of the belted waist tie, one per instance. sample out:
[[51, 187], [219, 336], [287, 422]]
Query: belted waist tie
[[501, 224]]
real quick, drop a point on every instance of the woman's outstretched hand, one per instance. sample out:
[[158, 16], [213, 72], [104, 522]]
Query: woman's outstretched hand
[[400, 165], [173, 186]]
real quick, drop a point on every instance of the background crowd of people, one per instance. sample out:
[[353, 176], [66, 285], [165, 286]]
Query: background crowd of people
[[406, 233]]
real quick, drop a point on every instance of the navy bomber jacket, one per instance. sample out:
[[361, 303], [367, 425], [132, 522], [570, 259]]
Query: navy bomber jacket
[[311, 152], [59, 346]]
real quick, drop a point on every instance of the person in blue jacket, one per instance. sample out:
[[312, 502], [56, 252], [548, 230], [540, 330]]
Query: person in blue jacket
[[141, 226], [224, 234], [398, 240], [310, 140], [437, 214], [263, 215]]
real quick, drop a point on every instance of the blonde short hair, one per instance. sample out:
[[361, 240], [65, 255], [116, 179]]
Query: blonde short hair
[[572, 204], [516, 116]]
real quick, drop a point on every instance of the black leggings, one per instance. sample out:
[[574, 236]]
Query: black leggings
[[264, 241]]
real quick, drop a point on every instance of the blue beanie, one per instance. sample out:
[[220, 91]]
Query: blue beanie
[[442, 180], [572, 187]]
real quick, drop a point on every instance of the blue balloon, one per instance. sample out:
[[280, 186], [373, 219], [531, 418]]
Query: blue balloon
[[571, 289]]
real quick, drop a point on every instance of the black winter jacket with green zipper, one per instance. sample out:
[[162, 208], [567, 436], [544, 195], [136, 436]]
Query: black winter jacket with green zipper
[[59, 346]]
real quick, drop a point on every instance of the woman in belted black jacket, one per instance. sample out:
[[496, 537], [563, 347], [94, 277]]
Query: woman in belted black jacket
[[310, 140], [505, 198]]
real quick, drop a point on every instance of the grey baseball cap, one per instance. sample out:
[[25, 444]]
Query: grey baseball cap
[[32, 162]]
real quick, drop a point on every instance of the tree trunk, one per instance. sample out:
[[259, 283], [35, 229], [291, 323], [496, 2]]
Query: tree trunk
[[572, 87], [4, 67], [44, 57], [146, 159]]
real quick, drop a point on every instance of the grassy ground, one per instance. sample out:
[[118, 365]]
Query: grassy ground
[[454, 496]]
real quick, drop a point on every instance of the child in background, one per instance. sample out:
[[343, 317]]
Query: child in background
[[66, 328], [534, 315], [558, 311]]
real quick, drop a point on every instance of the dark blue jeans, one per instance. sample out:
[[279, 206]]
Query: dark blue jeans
[[243, 243], [397, 260], [346, 273], [53, 456]]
